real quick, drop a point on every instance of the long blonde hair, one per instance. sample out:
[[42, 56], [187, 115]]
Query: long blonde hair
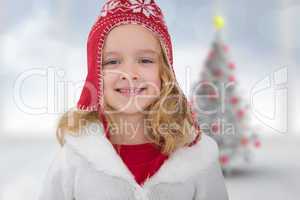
[[171, 98]]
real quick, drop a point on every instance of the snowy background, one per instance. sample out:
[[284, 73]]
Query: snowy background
[[42, 53]]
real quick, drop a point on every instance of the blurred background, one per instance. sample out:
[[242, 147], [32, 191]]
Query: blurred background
[[43, 66]]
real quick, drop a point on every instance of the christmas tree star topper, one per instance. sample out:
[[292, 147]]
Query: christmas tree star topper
[[219, 22]]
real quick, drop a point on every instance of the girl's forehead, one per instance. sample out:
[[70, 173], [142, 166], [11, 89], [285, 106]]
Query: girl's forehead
[[132, 37]]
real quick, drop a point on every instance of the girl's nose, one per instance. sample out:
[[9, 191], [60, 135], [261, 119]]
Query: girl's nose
[[130, 73], [134, 77]]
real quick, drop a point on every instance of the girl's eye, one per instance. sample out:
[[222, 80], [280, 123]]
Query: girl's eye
[[111, 62], [146, 61]]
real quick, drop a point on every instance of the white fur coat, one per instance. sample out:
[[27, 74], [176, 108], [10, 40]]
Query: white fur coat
[[88, 168]]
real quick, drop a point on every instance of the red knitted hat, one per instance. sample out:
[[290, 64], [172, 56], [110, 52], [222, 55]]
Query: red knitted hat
[[115, 13]]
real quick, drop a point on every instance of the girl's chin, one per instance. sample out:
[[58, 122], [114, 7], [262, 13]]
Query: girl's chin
[[129, 107], [129, 110]]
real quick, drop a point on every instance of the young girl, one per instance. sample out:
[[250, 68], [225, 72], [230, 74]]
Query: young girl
[[133, 135]]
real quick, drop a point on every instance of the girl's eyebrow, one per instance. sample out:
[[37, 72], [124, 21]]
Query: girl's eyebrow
[[139, 51], [150, 51], [110, 53]]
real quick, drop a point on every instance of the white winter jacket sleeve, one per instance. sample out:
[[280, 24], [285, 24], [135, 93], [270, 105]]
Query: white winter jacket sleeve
[[57, 184], [211, 185]]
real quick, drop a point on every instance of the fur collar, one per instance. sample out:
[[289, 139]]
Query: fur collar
[[185, 162]]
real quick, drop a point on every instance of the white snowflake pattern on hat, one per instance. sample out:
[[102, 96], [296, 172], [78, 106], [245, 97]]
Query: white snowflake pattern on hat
[[143, 6], [109, 6]]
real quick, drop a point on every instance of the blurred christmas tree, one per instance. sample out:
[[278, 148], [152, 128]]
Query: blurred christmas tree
[[221, 112]]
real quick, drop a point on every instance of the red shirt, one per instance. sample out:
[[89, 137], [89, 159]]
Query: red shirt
[[143, 160]]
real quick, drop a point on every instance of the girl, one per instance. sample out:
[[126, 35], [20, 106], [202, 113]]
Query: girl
[[133, 135]]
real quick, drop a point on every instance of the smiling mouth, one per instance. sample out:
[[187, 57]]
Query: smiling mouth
[[130, 91]]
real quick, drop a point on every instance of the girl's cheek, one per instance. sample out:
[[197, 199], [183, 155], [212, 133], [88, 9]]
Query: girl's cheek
[[152, 71], [108, 81], [110, 76], [155, 83]]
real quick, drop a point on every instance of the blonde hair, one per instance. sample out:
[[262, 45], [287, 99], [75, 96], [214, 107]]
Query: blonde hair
[[171, 98]]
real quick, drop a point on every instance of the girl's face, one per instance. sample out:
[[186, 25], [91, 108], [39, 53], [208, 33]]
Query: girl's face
[[131, 63]]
